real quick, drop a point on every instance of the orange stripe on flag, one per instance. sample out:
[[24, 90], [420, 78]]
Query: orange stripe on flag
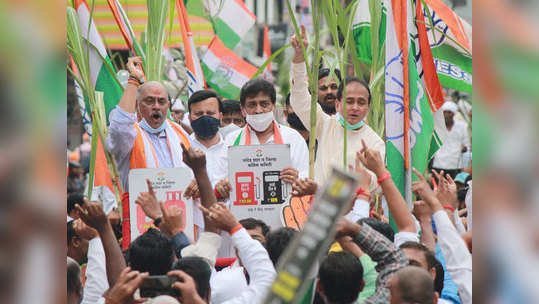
[[101, 168], [452, 20], [247, 10], [230, 58]]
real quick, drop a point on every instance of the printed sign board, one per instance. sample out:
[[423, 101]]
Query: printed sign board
[[257, 190], [169, 185]]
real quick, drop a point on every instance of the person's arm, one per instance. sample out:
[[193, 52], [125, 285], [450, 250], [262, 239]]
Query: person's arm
[[423, 214], [299, 155], [402, 216], [252, 254], [388, 257], [96, 273], [457, 257], [128, 102], [93, 215], [300, 98]]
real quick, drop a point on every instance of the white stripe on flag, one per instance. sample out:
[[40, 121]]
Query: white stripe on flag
[[95, 39], [213, 62], [236, 17]]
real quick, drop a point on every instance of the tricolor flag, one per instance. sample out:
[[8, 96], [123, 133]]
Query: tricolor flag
[[103, 81], [408, 113], [224, 70], [194, 70], [231, 21], [266, 54], [125, 27], [453, 61], [362, 28]]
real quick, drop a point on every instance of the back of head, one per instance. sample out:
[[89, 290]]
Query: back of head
[[72, 199], [380, 226], [163, 300], [70, 232], [252, 223], [277, 241], [151, 252], [74, 284], [201, 95], [254, 86], [415, 285], [341, 277], [349, 80], [199, 269], [231, 106]]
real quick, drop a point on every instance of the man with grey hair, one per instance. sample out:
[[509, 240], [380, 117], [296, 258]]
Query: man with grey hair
[[412, 284], [74, 284], [151, 142]]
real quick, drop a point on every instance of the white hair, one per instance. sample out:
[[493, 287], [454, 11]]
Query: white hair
[[163, 300]]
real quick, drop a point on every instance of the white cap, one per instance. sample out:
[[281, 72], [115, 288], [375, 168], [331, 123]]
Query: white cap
[[450, 106], [177, 105]]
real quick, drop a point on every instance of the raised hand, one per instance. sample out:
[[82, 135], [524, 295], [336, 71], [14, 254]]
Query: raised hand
[[304, 186], [422, 211], [123, 290], [296, 213], [134, 66], [220, 216], [93, 215], [84, 231], [172, 220], [298, 53], [365, 177], [148, 202], [371, 159], [223, 187], [194, 158], [346, 228], [422, 188], [446, 192], [192, 190]]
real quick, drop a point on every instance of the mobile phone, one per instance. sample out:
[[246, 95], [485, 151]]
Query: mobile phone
[[154, 286]]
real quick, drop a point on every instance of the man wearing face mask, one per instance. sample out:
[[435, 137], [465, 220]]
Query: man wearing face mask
[[257, 101], [356, 96], [152, 142]]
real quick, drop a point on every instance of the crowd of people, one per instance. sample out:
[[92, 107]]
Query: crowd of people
[[423, 256]]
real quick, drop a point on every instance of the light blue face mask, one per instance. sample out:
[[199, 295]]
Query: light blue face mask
[[143, 124], [345, 124]]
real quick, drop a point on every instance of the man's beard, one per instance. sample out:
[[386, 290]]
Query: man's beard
[[328, 106], [330, 110]]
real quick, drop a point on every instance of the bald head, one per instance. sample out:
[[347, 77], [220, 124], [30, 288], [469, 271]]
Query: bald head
[[412, 284], [153, 103]]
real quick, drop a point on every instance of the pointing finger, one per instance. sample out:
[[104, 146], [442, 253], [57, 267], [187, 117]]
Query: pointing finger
[[419, 175]]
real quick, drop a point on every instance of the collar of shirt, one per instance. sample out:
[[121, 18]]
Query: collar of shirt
[[254, 138], [201, 146]]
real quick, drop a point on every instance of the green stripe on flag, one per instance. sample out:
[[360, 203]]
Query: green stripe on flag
[[112, 91], [454, 69], [226, 34], [219, 81]]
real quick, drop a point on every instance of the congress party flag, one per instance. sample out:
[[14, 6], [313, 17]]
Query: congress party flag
[[231, 21], [225, 72]]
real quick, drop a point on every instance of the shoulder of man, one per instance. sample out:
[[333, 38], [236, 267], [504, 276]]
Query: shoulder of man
[[290, 134], [372, 134], [231, 137]]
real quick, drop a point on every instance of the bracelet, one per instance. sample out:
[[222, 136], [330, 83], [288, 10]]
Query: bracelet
[[449, 208], [135, 83], [235, 229], [361, 191], [158, 221], [217, 194], [384, 176]]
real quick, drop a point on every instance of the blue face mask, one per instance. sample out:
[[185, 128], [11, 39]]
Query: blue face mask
[[206, 127], [344, 123], [143, 124]]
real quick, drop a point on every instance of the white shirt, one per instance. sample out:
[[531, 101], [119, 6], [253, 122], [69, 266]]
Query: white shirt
[[458, 260], [299, 153], [121, 139], [96, 274], [329, 132], [216, 158], [450, 154], [256, 261]]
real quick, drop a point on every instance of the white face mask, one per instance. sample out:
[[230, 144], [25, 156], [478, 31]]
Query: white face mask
[[260, 122]]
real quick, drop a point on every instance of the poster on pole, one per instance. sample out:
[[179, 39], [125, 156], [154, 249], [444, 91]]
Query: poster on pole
[[257, 190], [169, 185]]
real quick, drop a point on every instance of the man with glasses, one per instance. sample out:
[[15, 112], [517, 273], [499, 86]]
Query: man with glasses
[[152, 142]]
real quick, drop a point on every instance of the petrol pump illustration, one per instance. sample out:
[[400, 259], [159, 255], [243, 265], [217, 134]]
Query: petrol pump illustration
[[245, 188], [272, 186], [173, 198]]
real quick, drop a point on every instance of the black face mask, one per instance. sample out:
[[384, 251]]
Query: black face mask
[[206, 126], [295, 123], [330, 110]]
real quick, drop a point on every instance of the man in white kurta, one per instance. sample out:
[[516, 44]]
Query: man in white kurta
[[330, 129]]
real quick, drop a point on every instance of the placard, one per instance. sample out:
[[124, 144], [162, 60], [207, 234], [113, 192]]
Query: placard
[[169, 185], [257, 190]]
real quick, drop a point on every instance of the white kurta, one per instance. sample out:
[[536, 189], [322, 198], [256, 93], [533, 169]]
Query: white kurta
[[450, 156], [329, 132]]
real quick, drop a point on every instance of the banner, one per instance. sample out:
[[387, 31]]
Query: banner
[[257, 190], [169, 185]]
